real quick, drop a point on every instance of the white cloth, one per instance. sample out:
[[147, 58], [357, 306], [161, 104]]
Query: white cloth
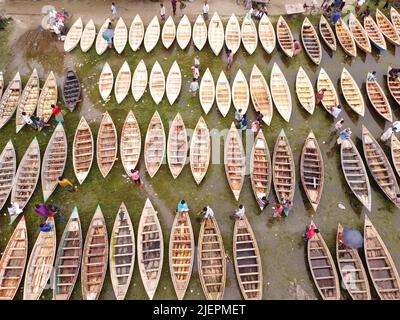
[[14, 209], [240, 212], [387, 134], [206, 8], [209, 213]]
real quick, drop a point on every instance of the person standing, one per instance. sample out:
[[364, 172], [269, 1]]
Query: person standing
[[197, 63], [206, 8], [319, 96], [229, 60], [182, 6], [244, 122], [162, 12], [255, 126], [195, 72], [277, 210], [56, 110], [339, 125], [260, 118], [194, 87], [113, 11], [173, 3], [66, 184], [239, 213], [238, 115], [297, 47], [287, 206], [134, 175]]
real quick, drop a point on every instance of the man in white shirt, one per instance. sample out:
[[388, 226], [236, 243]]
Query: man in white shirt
[[194, 86], [113, 11], [336, 111], [206, 8], [238, 213], [208, 212], [162, 11]]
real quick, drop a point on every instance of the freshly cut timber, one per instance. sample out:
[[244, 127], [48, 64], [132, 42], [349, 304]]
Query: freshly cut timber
[[232, 34], [395, 17], [54, 160], [223, 94], [71, 90], [184, 32], [150, 249], [351, 269], [107, 145], [394, 86], [199, 32], [216, 34], [359, 34], [200, 150], [157, 83], [311, 41], [28, 100], [211, 260], [323, 267], [378, 99], [106, 82], [207, 91], [345, 38], [130, 143], [380, 167], [9, 100], [13, 261], [8, 165], [95, 257], [355, 173], [68, 259], [181, 253], [285, 37], [152, 34], [234, 160], [395, 150], [240, 92], [283, 169], [82, 150], [154, 145], [174, 83], [260, 95], [139, 80], [247, 258], [374, 34], [120, 35], [73, 36], [305, 91], [386, 27], [330, 98], [249, 35], [312, 170], [122, 82], [136, 33], [122, 252], [380, 264], [352, 92], [177, 146], [48, 96], [101, 43], [266, 33], [168, 32], [88, 36], [280, 92], [327, 33]]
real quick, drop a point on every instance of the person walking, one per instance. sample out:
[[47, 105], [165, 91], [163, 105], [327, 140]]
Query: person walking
[[339, 125], [173, 3], [194, 87], [238, 115], [244, 122], [113, 11], [229, 60], [197, 63], [162, 12], [195, 72], [206, 8], [56, 110], [134, 175], [66, 184]]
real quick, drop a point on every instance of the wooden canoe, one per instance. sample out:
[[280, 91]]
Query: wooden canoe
[[232, 34], [48, 96], [374, 34], [13, 261], [106, 81], [82, 150], [359, 34], [1, 83], [207, 91], [71, 90], [223, 94], [216, 34], [107, 145], [181, 253], [395, 17], [122, 82], [394, 86], [28, 100], [150, 248], [311, 42], [249, 35], [345, 38], [136, 33], [305, 91], [352, 93], [280, 93], [330, 98], [380, 264], [154, 145], [247, 259], [101, 44], [211, 260], [240, 92], [266, 34], [378, 99], [152, 34], [8, 166], [177, 146], [184, 32], [157, 83], [200, 151], [199, 32], [54, 160], [380, 167], [139, 80], [120, 35], [131, 143], [260, 95], [355, 173], [168, 32], [174, 83], [387, 28], [327, 33], [68, 259], [285, 37], [395, 151], [9, 100], [88, 36], [95, 257], [122, 252], [73, 36]]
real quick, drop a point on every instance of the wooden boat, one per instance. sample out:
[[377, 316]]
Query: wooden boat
[[312, 170], [152, 34], [154, 145], [207, 91], [150, 249], [330, 98], [249, 35], [1, 83], [234, 160], [211, 260], [345, 38], [48, 96], [101, 44], [395, 17], [122, 252], [177, 146], [266, 34], [73, 36], [394, 86], [174, 83], [168, 32], [68, 259], [380, 167], [28, 100], [136, 33], [120, 36], [378, 99], [95, 257], [232, 34], [260, 95], [386, 27], [71, 90], [157, 83], [184, 32], [240, 92], [305, 91], [311, 42], [352, 93], [8, 166], [352, 270], [280, 93], [247, 258], [88, 36], [223, 94], [181, 253], [285, 37], [395, 151], [9, 100], [106, 81], [13, 261], [359, 34], [380, 264], [82, 150], [200, 150], [355, 173], [374, 34], [323, 268], [131, 142], [139, 80], [199, 32], [107, 145], [122, 83], [54, 160], [216, 34], [327, 33]]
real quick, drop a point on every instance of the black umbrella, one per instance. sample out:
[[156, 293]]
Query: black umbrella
[[352, 238]]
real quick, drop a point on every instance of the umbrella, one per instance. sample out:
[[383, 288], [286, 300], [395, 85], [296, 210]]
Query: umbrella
[[352, 238]]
